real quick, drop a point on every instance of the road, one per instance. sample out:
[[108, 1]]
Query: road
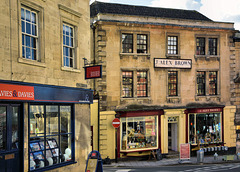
[[234, 167]]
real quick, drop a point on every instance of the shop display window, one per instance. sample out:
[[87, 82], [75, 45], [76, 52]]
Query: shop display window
[[205, 128], [50, 135], [139, 133]]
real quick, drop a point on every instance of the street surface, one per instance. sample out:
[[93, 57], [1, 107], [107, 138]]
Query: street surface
[[234, 167]]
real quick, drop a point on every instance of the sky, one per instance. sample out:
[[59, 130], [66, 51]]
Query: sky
[[216, 10]]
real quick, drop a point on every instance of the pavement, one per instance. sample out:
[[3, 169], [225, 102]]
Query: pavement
[[173, 161]]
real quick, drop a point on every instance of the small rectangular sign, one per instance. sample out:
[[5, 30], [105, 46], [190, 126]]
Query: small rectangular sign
[[16, 92], [172, 63], [92, 72], [184, 151]]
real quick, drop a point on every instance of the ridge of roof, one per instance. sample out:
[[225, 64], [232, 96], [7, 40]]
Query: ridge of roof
[[135, 10]]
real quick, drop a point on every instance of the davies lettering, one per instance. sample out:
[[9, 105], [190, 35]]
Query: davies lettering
[[16, 92]]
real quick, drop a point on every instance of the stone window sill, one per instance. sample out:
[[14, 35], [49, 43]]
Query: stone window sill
[[31, 62], [68, 69], [135, 55]]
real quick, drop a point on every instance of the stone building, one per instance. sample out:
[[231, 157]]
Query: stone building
[[166, 75], [44, 98]]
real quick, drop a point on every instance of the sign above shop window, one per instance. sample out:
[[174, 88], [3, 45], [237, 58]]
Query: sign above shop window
[[16, 92], [172, 63], [92, 72]]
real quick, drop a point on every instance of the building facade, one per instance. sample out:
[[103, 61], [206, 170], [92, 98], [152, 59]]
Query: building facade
[[44, 98], [166, 75]]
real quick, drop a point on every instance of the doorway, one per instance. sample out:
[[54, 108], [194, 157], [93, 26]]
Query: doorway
[[11, 145], [173, 136]]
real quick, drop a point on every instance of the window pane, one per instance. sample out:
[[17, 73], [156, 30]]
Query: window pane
[[172, 83], [23, 26], [192, 126], [172, 45], [28, 41], [23, 52], [65, 120], [127, 43], [28, 53], [33, 17], [15, 128], [22, 14], [51, 120], [3, 129], [127, 84], [200, 83], [142, 84], [34, 30], [36, 120], [139, 133], [28, 28], [141, 43], [208, 127], [200, 46], [28, 17], [66, 146]]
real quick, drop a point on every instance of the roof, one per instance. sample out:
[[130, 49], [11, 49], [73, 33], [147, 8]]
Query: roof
[[121, 9]]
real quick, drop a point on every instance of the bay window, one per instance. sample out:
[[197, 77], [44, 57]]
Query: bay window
[[205, 128], [139, 133]]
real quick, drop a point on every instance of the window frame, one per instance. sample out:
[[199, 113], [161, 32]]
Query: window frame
[[136, 117], [40, 62], [145, 84], [173, 84], [71, 48], [207, 46], [31, 35], [131, 84], [135, 43], [200, 49], [195, 126], [203, 84], [172, 45], [213, 83], [72, 134], [128, 45], [142, 42]]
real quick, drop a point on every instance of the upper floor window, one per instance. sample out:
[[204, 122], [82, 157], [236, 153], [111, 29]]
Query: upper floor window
[[201, 79], [141, 43], [141, 84], [172, 42], [206, 46], [135, 42], [68, 46], [127, 84], [29, 33], [207, 82], [212, 43], [127, 43], [212, 83], [172, 83], [200, 46]]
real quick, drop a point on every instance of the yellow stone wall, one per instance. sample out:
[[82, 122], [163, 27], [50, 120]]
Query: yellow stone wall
[[229, 127], [49, 69], [94, 123]]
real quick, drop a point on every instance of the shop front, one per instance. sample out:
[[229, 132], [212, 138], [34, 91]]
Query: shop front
[[38, 126], [139, 132], [207, 127]]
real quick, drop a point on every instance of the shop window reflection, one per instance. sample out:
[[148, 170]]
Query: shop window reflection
[[50, 135], [139, 133], [205, 128]]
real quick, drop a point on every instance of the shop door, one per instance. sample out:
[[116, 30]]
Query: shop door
[[173, 136], [10, 144]]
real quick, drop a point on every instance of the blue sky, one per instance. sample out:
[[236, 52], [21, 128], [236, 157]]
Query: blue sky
[[217, 10]]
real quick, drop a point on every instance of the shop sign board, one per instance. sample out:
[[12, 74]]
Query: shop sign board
[[172, 63], [16, 92], [116, 123], [184, 151], [92, 72]]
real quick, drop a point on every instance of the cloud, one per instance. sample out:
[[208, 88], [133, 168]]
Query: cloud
[[178, 4], [91, 1]]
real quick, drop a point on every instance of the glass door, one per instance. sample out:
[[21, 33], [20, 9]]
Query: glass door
[[10, 145]]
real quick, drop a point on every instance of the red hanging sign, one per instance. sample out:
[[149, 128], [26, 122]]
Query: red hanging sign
[[92, 72], [16, 92]]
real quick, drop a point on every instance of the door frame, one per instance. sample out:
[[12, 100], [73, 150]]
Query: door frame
[[20, 149]]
